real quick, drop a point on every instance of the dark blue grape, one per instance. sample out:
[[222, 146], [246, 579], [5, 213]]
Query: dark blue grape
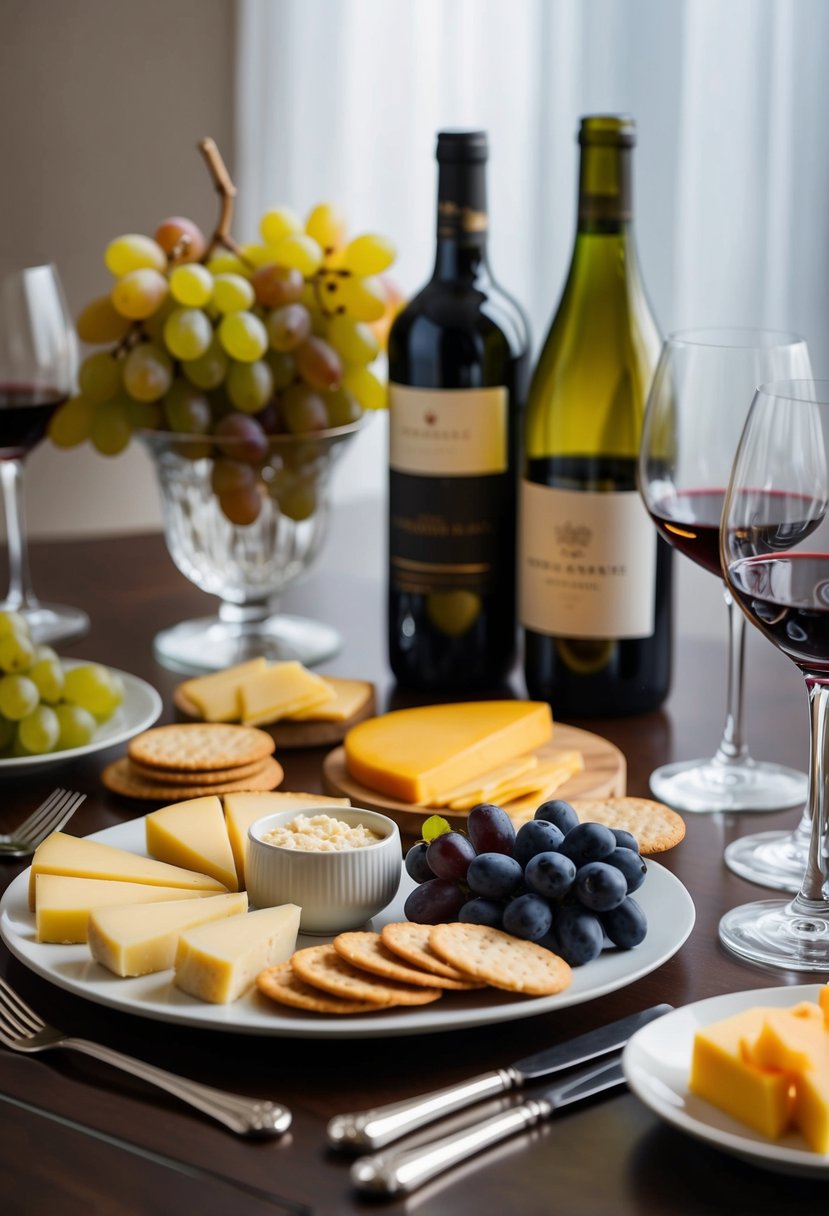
[[417, 867], [631, 865], [490, 829], [558, 812], [627, 925], [433, 902], [494, 875], [588, 842], [579, 935], [528, 916], [599, 886], [449, 855], [625, 840], [537, 836], [550, 875], [482, 912]]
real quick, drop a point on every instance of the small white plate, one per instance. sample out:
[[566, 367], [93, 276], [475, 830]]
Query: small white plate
[[139, 709], [657, 1064]]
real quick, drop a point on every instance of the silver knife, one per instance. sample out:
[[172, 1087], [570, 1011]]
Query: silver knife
[[383, 1124], [404, 1170]]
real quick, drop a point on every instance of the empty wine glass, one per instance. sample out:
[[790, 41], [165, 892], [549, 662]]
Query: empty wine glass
[[775, 555], [37, 368], [695, 412]]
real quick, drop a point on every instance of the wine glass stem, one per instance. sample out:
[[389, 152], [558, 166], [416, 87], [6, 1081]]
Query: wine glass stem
[[813, 893], [733, 748], [20, 593]]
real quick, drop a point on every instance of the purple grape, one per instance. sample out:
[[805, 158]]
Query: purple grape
[[449, 855], [490, 829], [558, 812], [625, 840], [537, 836], [600, 887], [493, 875], [631, 865], [588, 842], [550, 874], [579, 935], [528, 916], [434, 902], [482, 912], [627, 925], [417, 867]]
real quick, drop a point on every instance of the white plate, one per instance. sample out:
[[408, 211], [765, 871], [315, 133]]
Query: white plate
[[657, 1064], [139, 709], [667, 904]]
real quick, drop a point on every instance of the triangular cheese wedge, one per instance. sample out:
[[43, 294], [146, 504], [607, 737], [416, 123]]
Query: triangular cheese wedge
[[193, 834], [346, 699], [243, 809], [64, 904], [216, 696], [220, 962]]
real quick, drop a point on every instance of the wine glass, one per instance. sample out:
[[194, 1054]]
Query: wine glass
[[37, 368], [775, 555], [694, 415]]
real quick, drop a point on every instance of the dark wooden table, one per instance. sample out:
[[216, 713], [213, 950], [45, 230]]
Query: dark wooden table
[[78, 1137]]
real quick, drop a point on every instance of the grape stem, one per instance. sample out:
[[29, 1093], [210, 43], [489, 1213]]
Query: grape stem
[[227, 192]]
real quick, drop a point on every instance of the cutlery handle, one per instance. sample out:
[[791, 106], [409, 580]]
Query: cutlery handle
[[247, 1116], [377, 1127], [398, 1172]]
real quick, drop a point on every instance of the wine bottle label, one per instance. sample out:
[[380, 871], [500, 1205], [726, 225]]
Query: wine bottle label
[[450, 492], [587, 563]]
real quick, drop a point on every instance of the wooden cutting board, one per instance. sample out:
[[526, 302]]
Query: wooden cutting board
[[604, 776]]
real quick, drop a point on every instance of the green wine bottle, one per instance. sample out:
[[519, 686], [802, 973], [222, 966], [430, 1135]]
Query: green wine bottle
[[595, 580]]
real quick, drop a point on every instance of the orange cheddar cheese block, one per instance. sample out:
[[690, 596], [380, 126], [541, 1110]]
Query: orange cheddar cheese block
[[796, 1041], [417, 755], [193, 834]]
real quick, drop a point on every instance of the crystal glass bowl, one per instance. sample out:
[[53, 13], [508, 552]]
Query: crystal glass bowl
[[243, 528]]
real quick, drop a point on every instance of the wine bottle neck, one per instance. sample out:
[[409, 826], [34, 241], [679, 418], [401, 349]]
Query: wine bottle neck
[[605, 187], [462, 221]]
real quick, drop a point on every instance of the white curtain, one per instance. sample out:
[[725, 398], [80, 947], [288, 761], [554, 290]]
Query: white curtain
[[341, 100]]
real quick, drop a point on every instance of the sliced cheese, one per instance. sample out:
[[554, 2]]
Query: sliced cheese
[[416, 755], [219, 962], [216, 696], [193, 834], [77, 857], [243, 809], [280, 690], [541, 782], [130, 940], [481, 789], [63, 905], [796, 1041], [347, 698]]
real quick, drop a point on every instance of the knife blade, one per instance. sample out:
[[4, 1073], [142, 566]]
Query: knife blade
[[383, 1124], [401, 1171]]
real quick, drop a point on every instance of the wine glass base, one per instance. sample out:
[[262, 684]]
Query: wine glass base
[[210, 644], [50, 622], [773, 933], [771, 859], [707, 786]]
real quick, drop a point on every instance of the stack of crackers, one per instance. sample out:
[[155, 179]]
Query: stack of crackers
[[410, 964], [189, 760]]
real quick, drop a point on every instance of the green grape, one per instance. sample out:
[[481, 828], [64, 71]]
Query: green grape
[[47, 675], [276, 285], [282, 368], [250, 385], [76, 726], [148, 372], [232, 293], [42, 651], [187, 410], [72, 422], [303, 409], [299, 500], [210, 369], [319, 364], [99, 377], [326, 224], [39, 731], [134, 252], [18, 696], [13, 622], [111, 430], [299, 252], [342, 408], [144, 415], [92, 687], [139, 294], [191, 284], [279, 223], [256, 255], [17, 650], [368, 254], [364, 386], [243, 336], [153, 327], [363, 299], [181, 239], [225, 262], [187, 333], [288, 326], [99, 322], [354, 340]]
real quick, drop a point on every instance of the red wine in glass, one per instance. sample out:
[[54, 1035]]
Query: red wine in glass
[[25, 411], [691, 523], [787, 597]]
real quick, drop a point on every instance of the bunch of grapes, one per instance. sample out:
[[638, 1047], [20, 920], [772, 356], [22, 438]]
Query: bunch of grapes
[[232, 344], [564, 884], [45, 707]]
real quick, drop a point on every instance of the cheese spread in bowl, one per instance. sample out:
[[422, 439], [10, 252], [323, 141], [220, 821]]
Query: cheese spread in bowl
[[321, 833]]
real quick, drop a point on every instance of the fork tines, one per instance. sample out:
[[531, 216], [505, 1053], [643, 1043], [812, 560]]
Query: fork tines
[[16, 1017], [50, 816]]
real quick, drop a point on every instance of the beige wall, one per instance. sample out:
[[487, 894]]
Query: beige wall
[[103, 102]]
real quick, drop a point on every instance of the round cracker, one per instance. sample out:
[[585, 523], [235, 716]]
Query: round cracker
[[322, 967], [206, 776], [200, 745], [122, 778], [366, 950], [655, 826], [410, 941], [283, 985], [500, 959]]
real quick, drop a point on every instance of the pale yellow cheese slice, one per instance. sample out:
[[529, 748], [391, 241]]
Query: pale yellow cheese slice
[[243, 809], [219, 962], [216, 696], [347, 698], [481, 789], [63, 905], [280, 690], [77, 857], [415, 755], [131, 940], [538, 783], [193, 834]]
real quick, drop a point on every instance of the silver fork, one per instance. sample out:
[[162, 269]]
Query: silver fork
[[49, 817], [22, 1030]]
